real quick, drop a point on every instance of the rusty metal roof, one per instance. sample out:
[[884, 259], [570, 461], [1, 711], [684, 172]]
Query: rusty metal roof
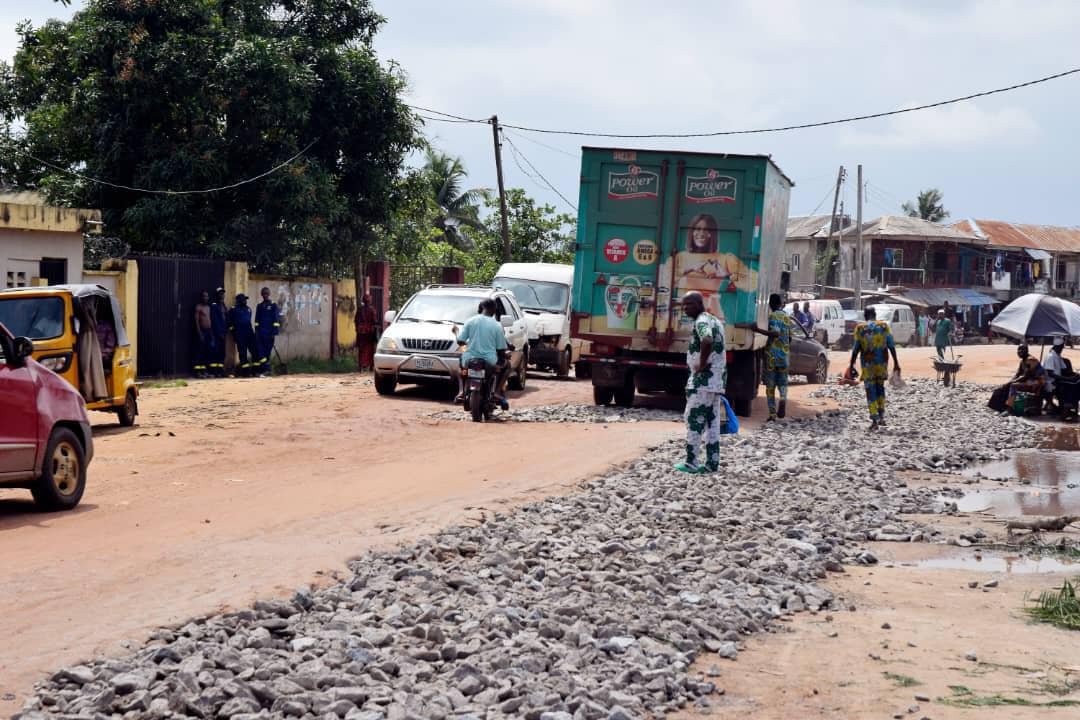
[[1021, 235], [901, 226]]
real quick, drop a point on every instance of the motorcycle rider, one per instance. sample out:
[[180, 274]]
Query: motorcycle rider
[[486, 340]]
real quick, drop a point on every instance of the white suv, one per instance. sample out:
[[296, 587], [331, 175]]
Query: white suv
[[419, 346]]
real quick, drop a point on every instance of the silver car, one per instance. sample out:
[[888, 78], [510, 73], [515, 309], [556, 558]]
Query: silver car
[[420, 347]]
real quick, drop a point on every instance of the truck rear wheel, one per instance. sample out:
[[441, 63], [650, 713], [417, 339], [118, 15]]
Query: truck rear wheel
[[624, 396], [63, 472], [602, 395], [743, 377]]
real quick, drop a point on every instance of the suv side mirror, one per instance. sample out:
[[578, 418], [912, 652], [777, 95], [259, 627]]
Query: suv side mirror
[[389, 316]]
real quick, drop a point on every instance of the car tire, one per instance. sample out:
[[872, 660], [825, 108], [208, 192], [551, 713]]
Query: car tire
[[602, 395], [385, 384], [518, 381], [562, 370], [63, 472], [128, 410], [820, 375]]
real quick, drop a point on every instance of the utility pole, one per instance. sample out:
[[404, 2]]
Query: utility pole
[[832, 224], [858, 245], [502, 191]]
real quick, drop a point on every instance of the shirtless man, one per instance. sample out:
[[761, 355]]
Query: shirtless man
[[204, 351]]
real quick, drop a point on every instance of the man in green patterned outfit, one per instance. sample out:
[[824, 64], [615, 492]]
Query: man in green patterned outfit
[[708, 375]]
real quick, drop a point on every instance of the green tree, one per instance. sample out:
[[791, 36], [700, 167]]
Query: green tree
[[928, 206], [190, 95], [537, 234], [458, 207]]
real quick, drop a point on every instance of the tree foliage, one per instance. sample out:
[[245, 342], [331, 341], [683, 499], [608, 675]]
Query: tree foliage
[[204, 93], [459, 209], [928, 206]]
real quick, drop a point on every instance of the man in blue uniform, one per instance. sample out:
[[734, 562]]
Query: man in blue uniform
[[219, 325], [243, 334], [267, 326]]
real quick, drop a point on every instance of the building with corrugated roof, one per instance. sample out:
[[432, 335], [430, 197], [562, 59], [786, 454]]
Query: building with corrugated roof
[[1019, 257], [807, 239], [40, 243]]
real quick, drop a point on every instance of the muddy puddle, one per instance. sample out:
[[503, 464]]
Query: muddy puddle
[[997, 563], [1045, 480]]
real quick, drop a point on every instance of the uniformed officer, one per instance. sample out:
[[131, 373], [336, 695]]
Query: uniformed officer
[[243, 334], [267, 326], [219, 325]]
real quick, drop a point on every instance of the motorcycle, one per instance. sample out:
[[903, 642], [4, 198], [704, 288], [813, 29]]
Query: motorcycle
[[479, 384]]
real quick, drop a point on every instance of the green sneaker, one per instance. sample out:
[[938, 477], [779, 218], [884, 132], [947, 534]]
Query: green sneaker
[[686, 468]]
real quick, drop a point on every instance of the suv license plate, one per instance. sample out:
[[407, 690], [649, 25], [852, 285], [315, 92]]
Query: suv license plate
[[476, 374], [421, 363]]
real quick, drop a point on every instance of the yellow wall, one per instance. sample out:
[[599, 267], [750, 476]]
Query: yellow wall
[[346, 315]]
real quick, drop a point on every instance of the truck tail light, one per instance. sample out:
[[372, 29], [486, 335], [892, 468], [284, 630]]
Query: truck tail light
[[601, 349]]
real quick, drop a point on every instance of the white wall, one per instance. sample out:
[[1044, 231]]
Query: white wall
[[21, 251]]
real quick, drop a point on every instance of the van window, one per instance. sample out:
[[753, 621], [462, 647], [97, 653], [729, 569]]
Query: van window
[[536, 295], [38, 318]]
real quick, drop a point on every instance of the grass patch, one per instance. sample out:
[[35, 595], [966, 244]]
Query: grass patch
[[964, 697], [159, 384], [315, 366], [901, 680], [1058, 607]]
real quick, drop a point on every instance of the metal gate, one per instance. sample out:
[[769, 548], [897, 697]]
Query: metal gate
[[407, 279], [169, 288]]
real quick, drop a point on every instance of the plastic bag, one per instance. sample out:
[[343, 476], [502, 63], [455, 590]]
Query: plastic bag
[[730, 426], [896, 381], [850, 377]]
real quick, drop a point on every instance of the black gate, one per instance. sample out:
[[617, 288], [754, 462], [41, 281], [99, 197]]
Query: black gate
[[169, 288], [407, 279]]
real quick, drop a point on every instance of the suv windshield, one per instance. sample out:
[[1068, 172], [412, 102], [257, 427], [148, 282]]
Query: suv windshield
[[432, 307], [38, 318], [536, 295]]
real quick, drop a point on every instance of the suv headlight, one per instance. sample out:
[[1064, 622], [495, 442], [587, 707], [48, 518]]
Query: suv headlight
[[387, 344]]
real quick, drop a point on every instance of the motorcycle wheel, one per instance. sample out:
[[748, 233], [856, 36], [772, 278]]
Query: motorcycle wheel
[[476, 406]]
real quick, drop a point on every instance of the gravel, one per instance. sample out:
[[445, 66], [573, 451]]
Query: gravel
[[567, 413], [589, 606]]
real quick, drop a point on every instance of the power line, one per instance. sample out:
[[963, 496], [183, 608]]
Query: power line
[[150, 191], [554, 189], [534, 141], [826, 197], [782, 128], [443, 120], [459, 118]]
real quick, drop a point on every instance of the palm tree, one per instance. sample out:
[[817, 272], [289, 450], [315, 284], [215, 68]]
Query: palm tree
[[928, 206], [458, 207]]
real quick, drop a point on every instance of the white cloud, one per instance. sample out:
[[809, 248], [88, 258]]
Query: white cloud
[[965, 126]]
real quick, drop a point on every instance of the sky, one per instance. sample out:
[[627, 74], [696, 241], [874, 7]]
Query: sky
[[706, 65]]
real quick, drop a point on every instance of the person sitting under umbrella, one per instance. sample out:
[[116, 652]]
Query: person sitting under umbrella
[[1029, 379], [1061, 382]]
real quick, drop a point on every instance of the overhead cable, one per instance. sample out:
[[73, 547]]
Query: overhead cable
[[152, 191], [555, 190], [781, 128]]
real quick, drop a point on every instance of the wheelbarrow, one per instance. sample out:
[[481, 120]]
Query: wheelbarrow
[[947, 369]]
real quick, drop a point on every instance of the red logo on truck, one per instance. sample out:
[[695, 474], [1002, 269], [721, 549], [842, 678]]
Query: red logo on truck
[[616, 250]]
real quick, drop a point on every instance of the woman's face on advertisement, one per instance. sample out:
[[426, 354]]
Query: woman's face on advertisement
[[699, 235]]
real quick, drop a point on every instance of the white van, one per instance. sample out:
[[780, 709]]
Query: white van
[[900, 319], [543, 292], [828, 319]]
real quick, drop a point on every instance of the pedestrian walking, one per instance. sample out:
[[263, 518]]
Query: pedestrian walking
[[705, 409], [942, 333], [777, 356], [873, 342], [267, 327], [204, 337], [243, 334], [219, 326], [367, 334], [809, 319]]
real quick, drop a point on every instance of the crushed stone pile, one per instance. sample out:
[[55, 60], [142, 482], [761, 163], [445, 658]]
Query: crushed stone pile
[[585, 607]]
